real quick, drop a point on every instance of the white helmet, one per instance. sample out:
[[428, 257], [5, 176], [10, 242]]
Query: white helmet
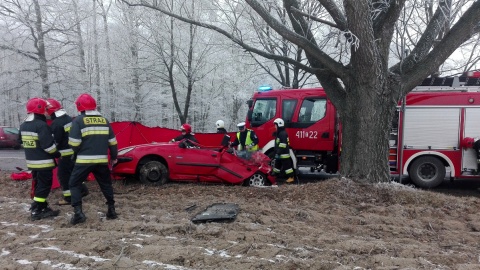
[[241, 125], [220, 124], [279, 122]]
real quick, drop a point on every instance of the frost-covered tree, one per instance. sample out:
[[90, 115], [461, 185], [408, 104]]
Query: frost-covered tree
[[360, 80]]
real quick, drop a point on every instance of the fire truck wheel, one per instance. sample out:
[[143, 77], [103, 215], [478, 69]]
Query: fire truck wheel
[[427, 172], [257, 180], [153, 173]]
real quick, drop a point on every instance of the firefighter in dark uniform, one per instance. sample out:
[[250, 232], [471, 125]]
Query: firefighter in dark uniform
[[282, 151], [61, 124], [40, 154], [91, 138], [220, 127], [187, 137], [476, 147]]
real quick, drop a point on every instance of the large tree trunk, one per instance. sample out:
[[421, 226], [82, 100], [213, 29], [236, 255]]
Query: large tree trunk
[[364, 136]]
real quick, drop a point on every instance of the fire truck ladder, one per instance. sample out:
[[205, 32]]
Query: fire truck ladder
[[392, 156]]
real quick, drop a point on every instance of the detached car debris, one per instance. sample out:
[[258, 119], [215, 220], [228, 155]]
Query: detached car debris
[[217, 212]]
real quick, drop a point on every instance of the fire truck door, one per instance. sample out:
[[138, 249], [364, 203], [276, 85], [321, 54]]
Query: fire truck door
[[312, 126], [472, 129]]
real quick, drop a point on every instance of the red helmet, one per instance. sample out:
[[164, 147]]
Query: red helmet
[[53, 105], [85, 102], [36, 105], [187, 128]]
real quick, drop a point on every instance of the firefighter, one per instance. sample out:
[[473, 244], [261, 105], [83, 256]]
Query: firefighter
[[187, 137], [282, 151], [246, 139], [91, 138], [40, 154], [476, 147], [220, 127], [61, 123]]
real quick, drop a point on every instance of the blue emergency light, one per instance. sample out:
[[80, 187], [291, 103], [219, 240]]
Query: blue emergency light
[[264, 88]]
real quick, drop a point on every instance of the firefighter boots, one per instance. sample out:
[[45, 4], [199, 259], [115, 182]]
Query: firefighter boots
[[290, 179], [78, 216], [111, 214], [41, 210]]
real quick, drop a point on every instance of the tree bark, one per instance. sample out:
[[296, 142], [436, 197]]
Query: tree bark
[[111, 100], [81, 49], [40, 46], [96, 62]]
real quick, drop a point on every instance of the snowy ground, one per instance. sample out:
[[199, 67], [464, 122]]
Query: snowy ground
[[329, 224]]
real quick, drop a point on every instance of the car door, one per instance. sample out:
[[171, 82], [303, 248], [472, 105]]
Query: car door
[[198, 164]]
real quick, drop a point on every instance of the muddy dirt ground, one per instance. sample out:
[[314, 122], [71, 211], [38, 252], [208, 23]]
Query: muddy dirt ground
[[328, 224]]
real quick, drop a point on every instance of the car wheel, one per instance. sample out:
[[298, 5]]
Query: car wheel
[[153, 173], [427, 172], [257, 180]]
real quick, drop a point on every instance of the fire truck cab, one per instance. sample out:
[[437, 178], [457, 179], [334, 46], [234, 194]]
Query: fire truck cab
[[310, 120], [426, 138]]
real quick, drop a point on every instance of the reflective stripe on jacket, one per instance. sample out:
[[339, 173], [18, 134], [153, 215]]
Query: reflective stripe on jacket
[[248, 141], [38, 144], [61, 128], [91, 138], [282, 144]]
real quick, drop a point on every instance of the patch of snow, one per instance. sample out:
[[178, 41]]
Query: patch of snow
[[167, 266], [4, 252], [71, 253], [143, 235], [138, 245]]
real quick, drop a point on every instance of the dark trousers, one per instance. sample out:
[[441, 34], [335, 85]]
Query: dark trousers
[[102, 175], [65, 168], [284, 164], [43, 184]]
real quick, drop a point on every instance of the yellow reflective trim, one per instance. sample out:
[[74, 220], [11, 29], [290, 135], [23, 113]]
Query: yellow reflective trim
[[92, 161], [66, 153], [289, 171], [67, 129], [74, 143], [39, 166], [95, 132], [29, 144], [284, 155], [37, 199], [52, 149], [112, 143], [25, 137], [94, 120]]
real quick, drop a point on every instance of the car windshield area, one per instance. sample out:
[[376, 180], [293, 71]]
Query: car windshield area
[[263, 110], [10, 130]]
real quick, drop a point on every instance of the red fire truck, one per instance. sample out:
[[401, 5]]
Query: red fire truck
[[426, 139]]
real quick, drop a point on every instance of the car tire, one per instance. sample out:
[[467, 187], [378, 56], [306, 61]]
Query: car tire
[[427, 172], [153, 173], [258, 179]]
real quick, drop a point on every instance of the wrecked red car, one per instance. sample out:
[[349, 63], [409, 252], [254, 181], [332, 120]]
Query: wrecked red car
[[158, 163]]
